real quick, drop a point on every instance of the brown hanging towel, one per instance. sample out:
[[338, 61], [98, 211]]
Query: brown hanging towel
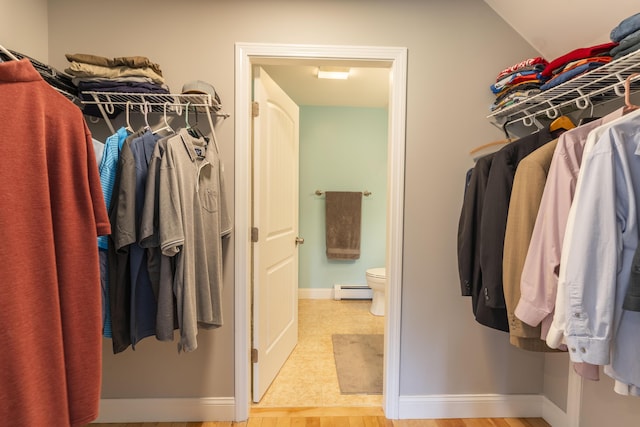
[[343, 218]]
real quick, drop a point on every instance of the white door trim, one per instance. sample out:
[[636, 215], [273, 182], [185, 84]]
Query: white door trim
[[245, 53]]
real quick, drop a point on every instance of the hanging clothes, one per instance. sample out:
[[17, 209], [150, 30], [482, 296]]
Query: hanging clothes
[[193, 217], [539, 279], [161, 267], [143, 298], [152, 290], [469, 230], [51, 213], [600, 242], [108, 168], [494, 220], [119, 244], [528, 187]]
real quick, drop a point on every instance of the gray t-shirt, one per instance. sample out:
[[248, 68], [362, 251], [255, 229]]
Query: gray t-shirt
[[193, 217]]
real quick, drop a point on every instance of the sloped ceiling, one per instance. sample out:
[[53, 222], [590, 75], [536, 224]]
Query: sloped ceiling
[[555, 27]]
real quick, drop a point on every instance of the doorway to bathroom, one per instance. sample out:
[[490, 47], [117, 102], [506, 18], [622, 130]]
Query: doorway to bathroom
[[343, 144], [394, 59]]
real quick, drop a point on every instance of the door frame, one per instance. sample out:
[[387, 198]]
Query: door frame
[[246, 55]]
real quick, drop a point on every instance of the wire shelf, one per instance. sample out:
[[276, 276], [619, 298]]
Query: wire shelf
[[109, 102], [595, 87], [123, 99]]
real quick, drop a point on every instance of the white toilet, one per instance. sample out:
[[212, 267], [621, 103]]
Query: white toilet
[[377, 281]]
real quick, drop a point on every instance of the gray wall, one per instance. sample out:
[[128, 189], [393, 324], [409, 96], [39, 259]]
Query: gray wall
[[455, 50], [25, 27], [601, 406], [556, 378]]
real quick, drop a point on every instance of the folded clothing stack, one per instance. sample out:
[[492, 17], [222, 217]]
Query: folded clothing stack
[[575, 63], [130, 74], [518, 82], [627, 34]]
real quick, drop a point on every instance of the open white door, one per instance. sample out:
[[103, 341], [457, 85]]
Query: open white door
[[275, 216]]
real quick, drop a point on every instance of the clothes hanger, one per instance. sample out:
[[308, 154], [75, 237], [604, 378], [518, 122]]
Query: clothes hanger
[[589, 118], [166, 126], [187, 125], [128, 128], [504, 129], [489, 147], [145, 108], [629, 107], [194, 132], [561, 123], [9, 54]]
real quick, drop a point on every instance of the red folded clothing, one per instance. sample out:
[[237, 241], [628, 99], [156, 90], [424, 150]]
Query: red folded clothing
[[581, 53], [526, 63], [521, 79]]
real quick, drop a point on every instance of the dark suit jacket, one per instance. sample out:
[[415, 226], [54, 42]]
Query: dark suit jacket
[[469, 237], [493, 224], [469, 227]]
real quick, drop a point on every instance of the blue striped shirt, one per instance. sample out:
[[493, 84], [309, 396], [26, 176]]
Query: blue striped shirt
[[107, 169]]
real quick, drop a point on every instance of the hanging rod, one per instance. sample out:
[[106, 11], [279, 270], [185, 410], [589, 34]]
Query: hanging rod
[[365, 193]]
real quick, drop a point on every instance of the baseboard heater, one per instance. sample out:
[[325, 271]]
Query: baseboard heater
[[352, 292]]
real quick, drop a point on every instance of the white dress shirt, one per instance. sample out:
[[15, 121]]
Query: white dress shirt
[[599, 244]]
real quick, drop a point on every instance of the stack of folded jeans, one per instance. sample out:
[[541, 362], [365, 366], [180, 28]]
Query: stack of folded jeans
[[627, 34], [575, 63], [518, 82], [131, 74]]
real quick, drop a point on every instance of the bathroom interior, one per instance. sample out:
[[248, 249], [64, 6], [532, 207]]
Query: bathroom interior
[[343, 147]]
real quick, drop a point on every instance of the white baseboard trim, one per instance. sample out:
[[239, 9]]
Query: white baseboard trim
[[552, 414], [166, 410], [410, 407], [470, 406], [315, 293]]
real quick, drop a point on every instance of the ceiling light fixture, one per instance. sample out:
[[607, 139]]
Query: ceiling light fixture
[[341, 73]]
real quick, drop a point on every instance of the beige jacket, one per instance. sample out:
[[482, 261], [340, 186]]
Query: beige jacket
[[528, 186]]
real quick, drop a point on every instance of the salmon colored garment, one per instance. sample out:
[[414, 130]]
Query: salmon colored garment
[[51, 211]]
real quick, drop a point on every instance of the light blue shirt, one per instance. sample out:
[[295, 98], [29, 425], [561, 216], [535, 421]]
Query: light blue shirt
[[600, 248], [107, 169]]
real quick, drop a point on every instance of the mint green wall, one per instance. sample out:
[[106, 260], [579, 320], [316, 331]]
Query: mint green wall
[[341, 149]]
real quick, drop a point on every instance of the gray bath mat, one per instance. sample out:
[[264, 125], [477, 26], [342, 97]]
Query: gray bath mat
[[359, 362]]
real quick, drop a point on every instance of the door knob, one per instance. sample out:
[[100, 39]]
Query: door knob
[[299, 241]]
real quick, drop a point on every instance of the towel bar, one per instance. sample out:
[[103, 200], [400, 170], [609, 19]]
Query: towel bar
[[365, 193]]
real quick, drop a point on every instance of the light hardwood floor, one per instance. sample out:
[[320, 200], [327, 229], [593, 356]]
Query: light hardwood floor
[[348, 421]]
